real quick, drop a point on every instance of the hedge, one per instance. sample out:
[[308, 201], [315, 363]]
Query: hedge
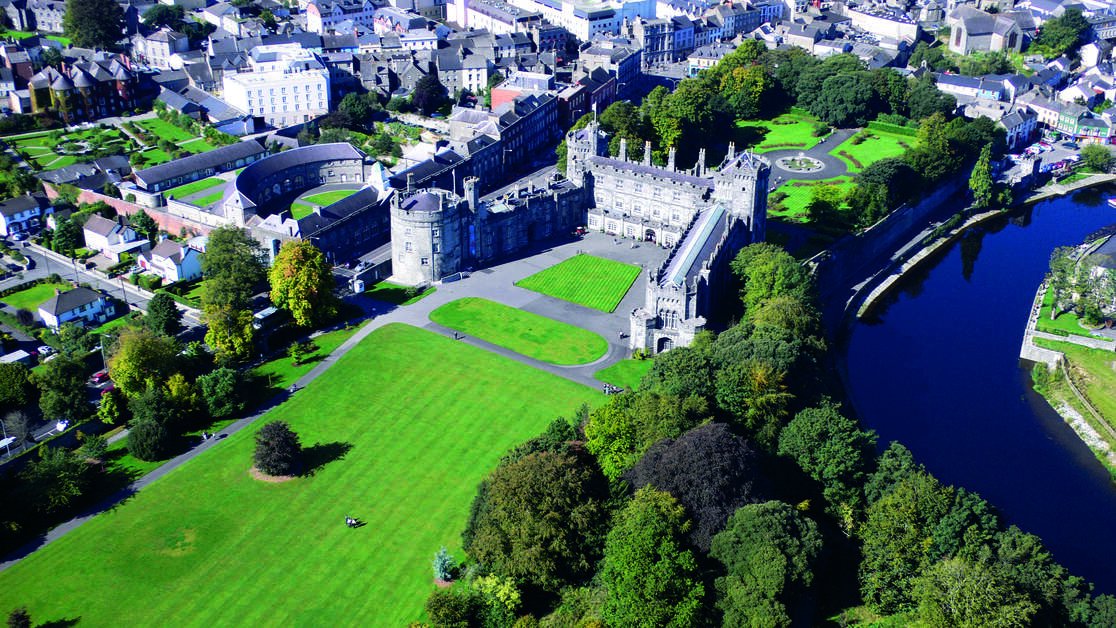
[[896, 129]]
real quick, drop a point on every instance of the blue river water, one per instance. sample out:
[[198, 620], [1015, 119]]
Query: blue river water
[[937, 369]]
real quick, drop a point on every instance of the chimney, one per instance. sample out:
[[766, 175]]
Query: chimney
[[731, 152]]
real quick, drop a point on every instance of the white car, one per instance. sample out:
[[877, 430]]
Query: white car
[[45, 350]]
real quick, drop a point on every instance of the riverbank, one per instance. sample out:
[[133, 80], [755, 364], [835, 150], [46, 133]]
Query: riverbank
[[894, 274], [1055, 190]]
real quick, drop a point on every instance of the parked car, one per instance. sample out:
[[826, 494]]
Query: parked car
[[45, 350], [99, 377], [19, 237]]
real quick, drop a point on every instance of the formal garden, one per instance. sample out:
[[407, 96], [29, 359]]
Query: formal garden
[[531, 335], [50, 150], [795, 129], [790, 199], [594, 282], [395, 446], [872, 144]]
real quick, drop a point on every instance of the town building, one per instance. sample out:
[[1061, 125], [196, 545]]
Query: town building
[[163, 177], [172, 261], [322, 16], [80, 306], [285, 84], [157, 49], [110, 237], [85, 89], [977, 31], [22, 214]]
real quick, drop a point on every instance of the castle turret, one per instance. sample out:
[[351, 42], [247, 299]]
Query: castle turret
[[427, 230]]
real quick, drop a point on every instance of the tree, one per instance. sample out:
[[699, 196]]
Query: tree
[[93, 23], [233, 266], [429, 95], [54, 481], [302, 283], [619, 432], [650, 576], [51, 57], [825, 207], [61, 385], [359, 107], [142, 358], [844, 100], [75, 339], [19, 618], [933, 156], [709, 470], [221, 390], [1097, 157], [93, 447], [111, 408], [956, 592], [443, 565], [268, 18], [1063, 262], [68, 235], [149, 440], [540, 520], [832, 450], [163, 316], [456, 608], [16, 389], [769, 552], [164, 15], [17, 424], [767, 271], [230, 333], [684, 370], [278, 451], [143, 223], [926, 99], [755, 395], [980, 181], [1062, 35], [894, 465]]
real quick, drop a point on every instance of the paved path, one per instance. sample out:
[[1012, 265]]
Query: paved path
[[491, 283]]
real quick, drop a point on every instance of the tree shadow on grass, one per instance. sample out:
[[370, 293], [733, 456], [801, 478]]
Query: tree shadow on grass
[[319, 455], [60, 623]]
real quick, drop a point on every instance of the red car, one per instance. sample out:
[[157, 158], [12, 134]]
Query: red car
[[99, 377]]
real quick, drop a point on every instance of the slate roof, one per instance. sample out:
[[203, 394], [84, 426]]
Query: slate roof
[[100, 225], [13, 206], [70, 300], [169, 249], [697, 247], [201, 161], [423, 202]]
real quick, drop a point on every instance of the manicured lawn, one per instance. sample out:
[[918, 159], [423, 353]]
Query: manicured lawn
[[33, 297], [208, 199], [300, 210], [280, 373], [626, 373], [197, 146], [1095, 374], [1066, 322], [586, 280], [154, 157], [119, 321], [396, 294], [195, 293], [165, 131], [790, 130], [402, 430], [17, 35], [328, 198], [183, 191], [879, 145], [529, 334], [41, 147], [799, 194]]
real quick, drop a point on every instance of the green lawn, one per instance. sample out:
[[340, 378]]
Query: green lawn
[[396, 294], [165, 131], [119, 321], [33, 297], [879, 145], [195, 294], [198, 145], [281, 372], [300, 210], [40, 147], [586, 280], [209, 545], [799, 194], [154, 157], [328, 198], [1095, 375], [183, 191], [17, 35], [1066, 322], [529, 334], [626, 374], [208, 199], [789, 130]]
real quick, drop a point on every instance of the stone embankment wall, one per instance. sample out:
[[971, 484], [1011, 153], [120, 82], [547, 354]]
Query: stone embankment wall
[[167, 222]]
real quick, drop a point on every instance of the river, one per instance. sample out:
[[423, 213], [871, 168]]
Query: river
[[937, 369]]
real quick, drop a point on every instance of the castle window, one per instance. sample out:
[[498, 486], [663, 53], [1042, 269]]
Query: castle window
[[638, 187], [407, 247], [426, 261]]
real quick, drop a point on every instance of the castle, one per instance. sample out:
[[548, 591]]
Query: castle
[[704, 216]]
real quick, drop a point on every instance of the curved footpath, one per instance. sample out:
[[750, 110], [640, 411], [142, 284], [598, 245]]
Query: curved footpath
[[495, 284]]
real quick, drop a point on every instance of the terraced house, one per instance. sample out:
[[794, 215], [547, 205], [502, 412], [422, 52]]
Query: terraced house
[[85, 90]]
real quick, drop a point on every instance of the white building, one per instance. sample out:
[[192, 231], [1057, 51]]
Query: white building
[[21, 214], [110, 238], [80, 305], [283, 83], [172, 261], [585, 19]]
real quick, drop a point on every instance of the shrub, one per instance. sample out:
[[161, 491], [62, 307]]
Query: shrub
[[148, 440], [443, 565]]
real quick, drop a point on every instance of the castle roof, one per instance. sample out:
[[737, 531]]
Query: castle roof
[[696, 247], [651, 171]]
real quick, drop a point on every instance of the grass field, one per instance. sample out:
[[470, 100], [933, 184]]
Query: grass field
[[525, 333], [396, 294], [1066, 322], [183, 191], [198, 145], [165, 130], [586, 280], [208, 199], [1096, 369], [626, 373], [41, 147], [328, 198], [879, 145], [799, 194], [33, 297], [399, 449], [301, 210], [789, 130], [17, 35]]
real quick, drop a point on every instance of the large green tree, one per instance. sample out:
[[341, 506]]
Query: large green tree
[[302, 283], [163, 316], [957, 592], [229, 332], [980, 180], [233, 266], [540, 520], [142, 358], [278, 451], [61, 385], [221, 390], [769, 552], [16, 389], [755, 395], [429, 95], [650, 575], [767, 271], [1062, 35], [93, 23], [55, 481], [1097, 157]]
